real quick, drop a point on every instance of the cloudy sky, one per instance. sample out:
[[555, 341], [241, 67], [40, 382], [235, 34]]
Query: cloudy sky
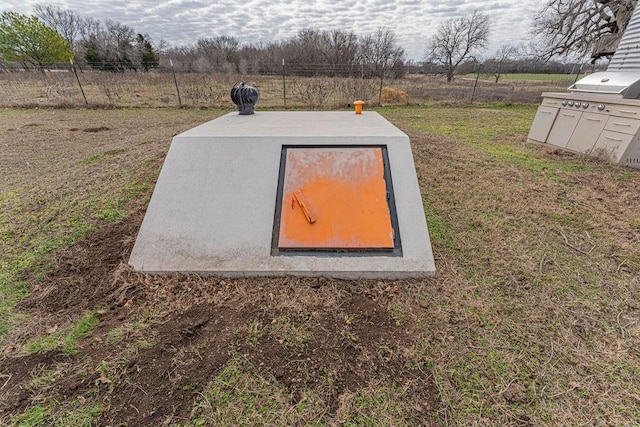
[[182, 22]]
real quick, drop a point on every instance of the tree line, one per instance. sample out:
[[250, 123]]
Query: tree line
[[562, 28], [112, 46], [311, 52]]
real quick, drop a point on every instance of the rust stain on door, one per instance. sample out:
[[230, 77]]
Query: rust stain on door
[[335, 198]]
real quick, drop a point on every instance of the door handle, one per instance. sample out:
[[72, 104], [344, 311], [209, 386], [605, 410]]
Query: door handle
[[307, 210]]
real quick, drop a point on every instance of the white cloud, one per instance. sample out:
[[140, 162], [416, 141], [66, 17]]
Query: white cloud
[[184, 21]]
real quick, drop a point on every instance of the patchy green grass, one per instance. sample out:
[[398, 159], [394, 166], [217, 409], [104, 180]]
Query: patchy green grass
[[374, 406], [36, 236], [491, 123], [527, 159], [31, 253], [135, 328], [65, 338], [241, 396], [439, 229], [92, 158], [73, 414], [289, 332], [43, 212]]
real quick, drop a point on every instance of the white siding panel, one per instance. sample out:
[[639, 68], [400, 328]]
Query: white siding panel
[[627, 56]]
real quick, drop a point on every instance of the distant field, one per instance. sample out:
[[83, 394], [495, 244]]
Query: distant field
[[156, 89], [529, 77], [532, 317], [540, 77]]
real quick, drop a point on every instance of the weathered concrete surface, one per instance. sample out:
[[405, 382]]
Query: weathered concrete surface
[[212, 211]]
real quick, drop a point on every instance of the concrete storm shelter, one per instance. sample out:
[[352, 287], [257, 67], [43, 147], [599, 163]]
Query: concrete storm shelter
[[288, 193]]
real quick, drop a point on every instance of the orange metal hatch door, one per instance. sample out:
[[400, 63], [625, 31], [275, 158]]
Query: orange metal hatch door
[[335, 198]]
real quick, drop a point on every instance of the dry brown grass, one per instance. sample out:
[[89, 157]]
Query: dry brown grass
[[59, 89], [537, 291], [391, 96]]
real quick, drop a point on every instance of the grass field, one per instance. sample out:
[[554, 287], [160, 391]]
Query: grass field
[[532, 318], [530, 77], [157, 89]]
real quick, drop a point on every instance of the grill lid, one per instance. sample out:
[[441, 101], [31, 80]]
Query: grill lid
[[620, 83]]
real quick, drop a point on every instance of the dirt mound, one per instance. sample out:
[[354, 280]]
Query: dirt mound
[[161, 340], [83, 276], [161, 382]]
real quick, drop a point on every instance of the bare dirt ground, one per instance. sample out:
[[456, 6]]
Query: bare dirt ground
[[533, 317], [202, 324]]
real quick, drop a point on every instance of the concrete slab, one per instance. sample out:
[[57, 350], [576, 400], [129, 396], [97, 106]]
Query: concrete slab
[[212, 211]]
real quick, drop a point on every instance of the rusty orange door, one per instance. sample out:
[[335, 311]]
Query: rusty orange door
[[335, 198]]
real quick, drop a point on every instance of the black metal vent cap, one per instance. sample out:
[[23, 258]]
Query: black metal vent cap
[[245, 97]]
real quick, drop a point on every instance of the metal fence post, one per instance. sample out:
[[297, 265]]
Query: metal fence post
[[175, 81], [475, 85], [381, 83], [284, 84], [75, 72]]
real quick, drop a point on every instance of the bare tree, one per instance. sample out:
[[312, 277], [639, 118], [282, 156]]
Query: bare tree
[[381, 51], [504, 54], [210, 56], [458, 39], [581, 27], [64, 21], [311, 52], [321, 52], [339, 49], [110, 46], [303, 52], [229, 46]]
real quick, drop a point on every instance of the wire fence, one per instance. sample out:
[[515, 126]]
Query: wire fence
[[66, 87]]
